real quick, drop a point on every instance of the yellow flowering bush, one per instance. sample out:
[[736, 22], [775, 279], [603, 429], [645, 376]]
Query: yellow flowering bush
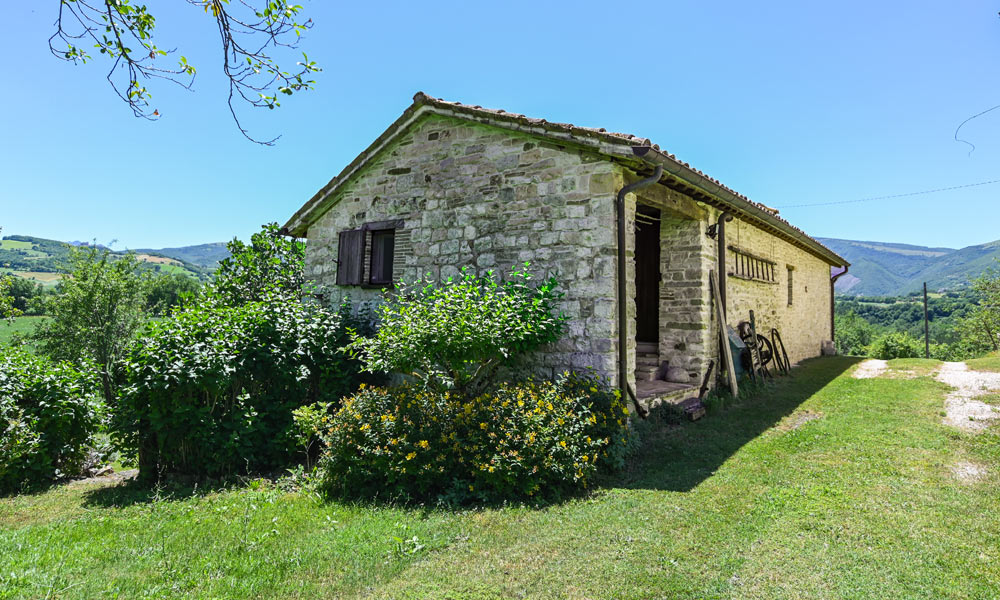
[[519, 442]]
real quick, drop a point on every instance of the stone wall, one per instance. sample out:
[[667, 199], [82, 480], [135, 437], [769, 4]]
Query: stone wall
[[486, 198], [482, 197], [805, 323], [685, 299]]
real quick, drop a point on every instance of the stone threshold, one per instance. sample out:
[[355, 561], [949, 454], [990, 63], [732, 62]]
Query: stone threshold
[[683, 396]]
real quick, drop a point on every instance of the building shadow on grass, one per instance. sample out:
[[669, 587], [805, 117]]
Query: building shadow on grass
[[672, 457], [679, 457], [134, 491]]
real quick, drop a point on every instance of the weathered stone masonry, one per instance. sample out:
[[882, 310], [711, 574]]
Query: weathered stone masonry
[[486, 190], [478, 197]]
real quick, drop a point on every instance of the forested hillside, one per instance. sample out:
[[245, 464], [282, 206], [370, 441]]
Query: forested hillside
[[44, 260], [886, 269]]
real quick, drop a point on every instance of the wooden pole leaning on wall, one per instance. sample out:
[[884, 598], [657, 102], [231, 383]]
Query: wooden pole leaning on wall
[[723, 335]]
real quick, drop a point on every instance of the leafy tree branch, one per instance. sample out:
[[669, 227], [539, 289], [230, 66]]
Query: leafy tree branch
[[250, 33]]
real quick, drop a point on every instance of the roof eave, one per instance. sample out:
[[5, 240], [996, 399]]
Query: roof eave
[[721, 197], [628, 149]]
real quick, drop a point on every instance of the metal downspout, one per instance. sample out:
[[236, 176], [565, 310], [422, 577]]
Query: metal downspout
[[622, 293], [833, 282]]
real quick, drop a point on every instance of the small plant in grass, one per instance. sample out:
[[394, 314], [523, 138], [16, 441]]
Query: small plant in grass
[[518, 441], [309, 423], [457, 334]]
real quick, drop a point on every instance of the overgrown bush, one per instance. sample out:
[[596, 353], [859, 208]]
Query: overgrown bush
[[272, 263], [896, 345], [519, 441], [211, 390], [854, 334], [457, 334], [49, 414]]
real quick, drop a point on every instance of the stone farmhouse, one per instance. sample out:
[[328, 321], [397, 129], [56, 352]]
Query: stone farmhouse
[[632, 232]]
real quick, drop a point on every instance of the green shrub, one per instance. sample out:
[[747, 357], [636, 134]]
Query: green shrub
[[49, 414], [520, 441], [210, 391], [272, 263], [457, 334], [896, 345], [853, 333]]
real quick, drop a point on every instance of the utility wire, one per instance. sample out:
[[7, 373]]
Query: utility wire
[[934, 191], [972, 147]]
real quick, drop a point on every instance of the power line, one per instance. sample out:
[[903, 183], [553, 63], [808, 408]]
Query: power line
[[934, 191], [972, 147]]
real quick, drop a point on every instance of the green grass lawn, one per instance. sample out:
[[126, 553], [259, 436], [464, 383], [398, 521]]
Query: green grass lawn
[[21, 325], [822, 487], [986, 363]]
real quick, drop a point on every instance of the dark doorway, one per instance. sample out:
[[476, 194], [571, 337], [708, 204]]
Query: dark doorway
[[647, 275]]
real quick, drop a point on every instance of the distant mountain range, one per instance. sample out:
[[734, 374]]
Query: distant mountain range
[[886, 269], [44, 260], [203, 255]]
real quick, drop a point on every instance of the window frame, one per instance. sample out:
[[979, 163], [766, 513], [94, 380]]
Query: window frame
[[371, 229], [791, 284], [380, 248]]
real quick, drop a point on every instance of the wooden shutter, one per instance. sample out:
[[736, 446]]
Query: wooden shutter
[[350, 257]]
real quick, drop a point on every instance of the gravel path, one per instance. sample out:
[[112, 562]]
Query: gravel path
[[962, 409], [872, 367]]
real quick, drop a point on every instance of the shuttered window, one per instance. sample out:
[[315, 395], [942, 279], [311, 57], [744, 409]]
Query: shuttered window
[[791, 286], [350, 257]]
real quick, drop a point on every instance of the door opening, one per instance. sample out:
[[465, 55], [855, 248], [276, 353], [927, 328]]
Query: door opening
[[647, 276]]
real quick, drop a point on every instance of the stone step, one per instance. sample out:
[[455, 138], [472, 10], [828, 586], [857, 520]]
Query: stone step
[[647, 359], [645, 375], [693, 408]]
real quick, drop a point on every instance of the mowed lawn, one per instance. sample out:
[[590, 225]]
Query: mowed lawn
[[823, 487], [987, 363], [20, 325]]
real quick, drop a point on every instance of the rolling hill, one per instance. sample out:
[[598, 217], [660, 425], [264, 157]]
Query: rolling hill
[[45, 260], [887, 269], [203, 255]]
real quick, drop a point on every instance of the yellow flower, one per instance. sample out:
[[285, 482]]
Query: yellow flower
[[585, 458], [424, 444], [563, 443], [365, 427], [548, 405], [482, 425], [520, 402], [491, 469], [560, 420], [411, 456], [361, 386], [472, 488]]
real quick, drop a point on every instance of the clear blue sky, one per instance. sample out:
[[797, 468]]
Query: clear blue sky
[[789, 103]]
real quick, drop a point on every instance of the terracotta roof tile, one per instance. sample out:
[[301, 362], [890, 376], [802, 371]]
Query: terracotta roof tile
[[627, 138]]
